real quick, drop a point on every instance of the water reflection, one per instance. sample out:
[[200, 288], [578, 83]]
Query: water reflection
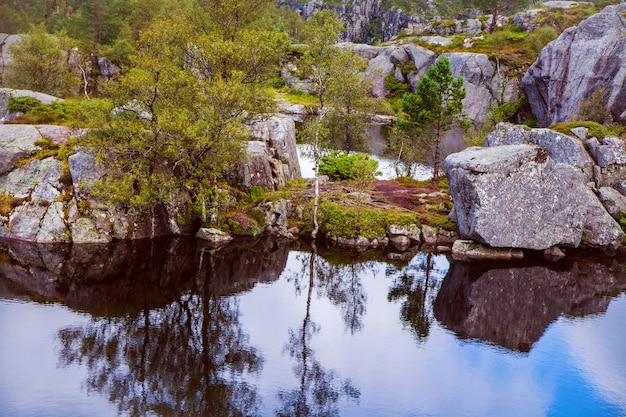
[[512, 306], [178, 328], [166, 338], [416, 286], [319, 388]]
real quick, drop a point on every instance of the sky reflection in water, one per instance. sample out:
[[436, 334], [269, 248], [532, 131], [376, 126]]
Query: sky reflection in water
[[250, 331]]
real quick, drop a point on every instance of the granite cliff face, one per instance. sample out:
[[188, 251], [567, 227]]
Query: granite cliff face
[[581, 60], [364, 20]]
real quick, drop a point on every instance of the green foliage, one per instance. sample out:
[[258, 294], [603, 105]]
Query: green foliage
[[22, 104], [343, 166], [593, 107], [13, 20], [496, 7], [595, 129], [193, 87], [70, 112], [561, 19], [622, 220], [350, 222], [543, 35], [241, 225], [505, 111], [99, 22], [40, 63], [436, 105], [396, 88]]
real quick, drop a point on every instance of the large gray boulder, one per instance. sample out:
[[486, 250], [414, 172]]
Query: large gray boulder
[[563, 149], [517, 196], [385, 60], [16, 141], [582, 59]]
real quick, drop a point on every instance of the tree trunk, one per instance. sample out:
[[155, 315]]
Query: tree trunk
[[494, 19], [437, 155]]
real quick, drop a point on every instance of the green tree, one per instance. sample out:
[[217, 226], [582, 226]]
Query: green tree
[[436, 105], [182, 130], [13, 20], [337, 80], [496, 7], [40, 62], [99, 22], [350, 100], [227, 17]]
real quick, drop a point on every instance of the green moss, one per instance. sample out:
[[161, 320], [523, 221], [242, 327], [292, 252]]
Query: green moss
[[8, 203], [350, 222], [595, 129]]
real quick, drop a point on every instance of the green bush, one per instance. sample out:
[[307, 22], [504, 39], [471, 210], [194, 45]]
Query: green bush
[[396, 88], [22, 104], [541, 37], [342, 166]]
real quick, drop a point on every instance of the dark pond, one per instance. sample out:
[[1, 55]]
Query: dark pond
[[175, 328]]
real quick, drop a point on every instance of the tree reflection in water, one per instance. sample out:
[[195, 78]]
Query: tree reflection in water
[[187, 358], [320, 389], [417, 286]]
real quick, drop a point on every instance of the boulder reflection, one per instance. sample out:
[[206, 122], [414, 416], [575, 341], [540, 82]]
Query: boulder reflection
[[165, 338], [511, 306]]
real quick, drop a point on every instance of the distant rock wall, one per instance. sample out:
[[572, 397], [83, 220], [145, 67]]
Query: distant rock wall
[[365, 20], [584, 58], [486, 82]]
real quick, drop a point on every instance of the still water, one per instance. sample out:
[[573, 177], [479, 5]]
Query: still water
[[175, 328]]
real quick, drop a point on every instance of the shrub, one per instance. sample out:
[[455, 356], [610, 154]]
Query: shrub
[[594, 108], [342, 166], [22, 104], [396, 88], [541, 37]]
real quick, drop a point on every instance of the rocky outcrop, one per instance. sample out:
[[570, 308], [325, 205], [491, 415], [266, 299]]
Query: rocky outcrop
[[527, 19], [486, 83], [272, 155], [581, 60], [562, 148], [49, 201], [518, 196], [6, 41]]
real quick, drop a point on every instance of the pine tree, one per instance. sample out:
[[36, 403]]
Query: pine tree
[[436, 105]]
